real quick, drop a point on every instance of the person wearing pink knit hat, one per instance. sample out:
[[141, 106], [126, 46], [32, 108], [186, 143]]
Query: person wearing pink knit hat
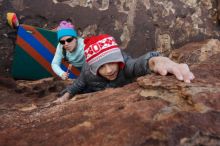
[[107, 66], [70, 48]]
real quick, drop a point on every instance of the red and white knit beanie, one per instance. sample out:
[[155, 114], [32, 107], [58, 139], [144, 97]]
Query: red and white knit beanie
[[100, 50]]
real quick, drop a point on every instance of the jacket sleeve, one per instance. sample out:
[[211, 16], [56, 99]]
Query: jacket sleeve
[[78, 85], [56, 62], [139, 66]]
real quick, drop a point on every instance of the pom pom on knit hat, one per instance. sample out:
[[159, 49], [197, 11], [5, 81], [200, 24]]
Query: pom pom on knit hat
[[100, 50], [65, 29]]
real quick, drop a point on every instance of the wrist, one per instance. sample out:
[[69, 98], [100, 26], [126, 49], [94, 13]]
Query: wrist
[[151, 63]]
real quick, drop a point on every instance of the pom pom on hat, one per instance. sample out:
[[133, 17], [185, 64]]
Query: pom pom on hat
[[65, 29], [100, 50]]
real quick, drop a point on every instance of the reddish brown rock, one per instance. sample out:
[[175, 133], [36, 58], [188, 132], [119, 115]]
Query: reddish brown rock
[[155, 110]]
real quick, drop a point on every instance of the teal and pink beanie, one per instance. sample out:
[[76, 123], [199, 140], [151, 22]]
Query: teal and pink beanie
[[65, 29]]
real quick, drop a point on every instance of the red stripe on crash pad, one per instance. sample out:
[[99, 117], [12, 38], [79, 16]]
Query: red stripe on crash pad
[[33, 53]]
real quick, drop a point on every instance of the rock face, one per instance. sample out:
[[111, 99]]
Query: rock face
[[138, 25], [154, 111]]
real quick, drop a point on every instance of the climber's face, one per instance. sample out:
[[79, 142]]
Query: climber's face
[[109, 70], [69, 43]]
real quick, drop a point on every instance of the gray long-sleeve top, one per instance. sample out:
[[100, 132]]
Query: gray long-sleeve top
[[87, 82]]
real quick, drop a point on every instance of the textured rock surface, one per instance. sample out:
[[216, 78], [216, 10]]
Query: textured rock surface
[[155, 110], [138, 25]]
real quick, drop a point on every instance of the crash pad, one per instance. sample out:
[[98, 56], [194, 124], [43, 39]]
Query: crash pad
[[34, 51]]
